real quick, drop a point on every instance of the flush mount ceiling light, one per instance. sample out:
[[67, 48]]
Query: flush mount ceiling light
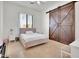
[[36, 2]]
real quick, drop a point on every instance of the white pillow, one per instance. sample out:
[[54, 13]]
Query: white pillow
[[29, 32]]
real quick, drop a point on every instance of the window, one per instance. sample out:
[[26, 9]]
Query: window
[[29, 21], [26, 21]]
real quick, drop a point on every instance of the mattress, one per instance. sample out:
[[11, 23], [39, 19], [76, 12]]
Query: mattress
[[29, 40]]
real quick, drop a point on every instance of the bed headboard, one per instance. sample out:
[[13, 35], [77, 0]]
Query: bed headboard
[[23, 30]]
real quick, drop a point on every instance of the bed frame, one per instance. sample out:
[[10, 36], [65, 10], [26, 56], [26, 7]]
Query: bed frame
[[31, 43]]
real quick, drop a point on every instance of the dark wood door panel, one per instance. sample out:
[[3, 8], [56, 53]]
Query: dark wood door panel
[[68, 19], [52, 30], [53, 25], [62, 24], [66, 34], [65, 10], [67, 22], [55, 35]]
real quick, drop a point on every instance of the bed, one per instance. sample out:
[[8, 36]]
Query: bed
[[29, 37]]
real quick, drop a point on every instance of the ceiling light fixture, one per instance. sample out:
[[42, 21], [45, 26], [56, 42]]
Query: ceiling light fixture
[[36, 2]]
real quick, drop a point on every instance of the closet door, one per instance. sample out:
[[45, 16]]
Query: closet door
[[53, 25], [62, 24], [67, 22]]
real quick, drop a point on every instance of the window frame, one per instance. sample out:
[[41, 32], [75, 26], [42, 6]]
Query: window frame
[[26, 20]]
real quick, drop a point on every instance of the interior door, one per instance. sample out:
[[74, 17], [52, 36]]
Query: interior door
[[67, 22], [53, 31], [62, 24]]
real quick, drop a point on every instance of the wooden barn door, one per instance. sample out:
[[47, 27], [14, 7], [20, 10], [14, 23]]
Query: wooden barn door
[[62, 24]]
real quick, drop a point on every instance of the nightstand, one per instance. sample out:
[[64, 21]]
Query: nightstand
[[11, 38], [17, 38]]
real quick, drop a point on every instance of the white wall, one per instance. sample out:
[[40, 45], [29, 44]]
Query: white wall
[[45, 23], [11, 18], [1, 19], [77, 20], [56, 5]]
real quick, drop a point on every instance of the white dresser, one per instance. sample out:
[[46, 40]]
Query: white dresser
[[75, 49]]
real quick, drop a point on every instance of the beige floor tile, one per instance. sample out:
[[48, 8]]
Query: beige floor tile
[[52, 49]]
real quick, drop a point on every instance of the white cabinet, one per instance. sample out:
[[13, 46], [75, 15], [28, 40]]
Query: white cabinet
[[75, 49], [11, 37]]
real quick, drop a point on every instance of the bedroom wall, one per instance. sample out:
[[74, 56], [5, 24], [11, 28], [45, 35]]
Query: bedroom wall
[[11, 18], [1, 19], [77, 21], [56, 4], [45, 23]]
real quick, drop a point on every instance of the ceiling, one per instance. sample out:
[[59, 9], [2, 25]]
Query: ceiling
[[44, 5]]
